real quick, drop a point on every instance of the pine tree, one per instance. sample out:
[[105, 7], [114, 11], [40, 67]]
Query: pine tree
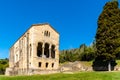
[[107, 37]]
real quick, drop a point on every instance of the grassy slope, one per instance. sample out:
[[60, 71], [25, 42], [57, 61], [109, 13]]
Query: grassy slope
[[75, 76]]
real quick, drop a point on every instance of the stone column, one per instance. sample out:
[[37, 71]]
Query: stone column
[[34, 50], [43, 46], [33, 53], [56, 52]]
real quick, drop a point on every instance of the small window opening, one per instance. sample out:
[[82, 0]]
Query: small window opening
[[46, 65], [47, 33], [30, 50], [52, 65], [39, 64]]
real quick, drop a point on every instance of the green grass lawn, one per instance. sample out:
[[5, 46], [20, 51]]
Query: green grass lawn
[[64, 76]]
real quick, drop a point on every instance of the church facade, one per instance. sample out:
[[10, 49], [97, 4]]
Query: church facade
[[35, 52]]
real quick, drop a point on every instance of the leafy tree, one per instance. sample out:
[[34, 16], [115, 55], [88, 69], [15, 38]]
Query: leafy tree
[[107, 37], [3, 65], [83, 53], [88, 54]]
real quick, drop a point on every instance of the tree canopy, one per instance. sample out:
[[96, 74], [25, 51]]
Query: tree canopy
[[3, 65], [83, 53], [107, 36]]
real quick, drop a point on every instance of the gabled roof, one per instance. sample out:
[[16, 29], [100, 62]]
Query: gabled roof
[[40, 24], [44, 24]]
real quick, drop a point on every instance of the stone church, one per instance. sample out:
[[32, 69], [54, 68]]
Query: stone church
[[35, 52]]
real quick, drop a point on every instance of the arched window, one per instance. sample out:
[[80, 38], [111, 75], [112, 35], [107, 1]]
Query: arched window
[[46, 50], [39, 49], [47, 33], [53, 51]]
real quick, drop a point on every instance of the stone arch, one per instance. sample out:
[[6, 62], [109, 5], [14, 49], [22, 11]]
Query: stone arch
[[39, 49], [46, 50], [53, 51]]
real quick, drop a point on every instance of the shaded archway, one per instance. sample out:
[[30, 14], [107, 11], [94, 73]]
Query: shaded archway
[[39, 49], [46, 50], [53, 51]]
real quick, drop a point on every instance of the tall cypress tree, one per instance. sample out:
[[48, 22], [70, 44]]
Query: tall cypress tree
[[107, 37]]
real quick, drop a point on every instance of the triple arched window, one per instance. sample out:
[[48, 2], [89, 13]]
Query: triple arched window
[[47, 33]]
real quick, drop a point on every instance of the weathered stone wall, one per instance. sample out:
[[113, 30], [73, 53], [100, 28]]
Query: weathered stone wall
[[74, 67], [53, 39]]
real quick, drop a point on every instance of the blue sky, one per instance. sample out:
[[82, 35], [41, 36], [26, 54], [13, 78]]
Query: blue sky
[[75, 20]]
